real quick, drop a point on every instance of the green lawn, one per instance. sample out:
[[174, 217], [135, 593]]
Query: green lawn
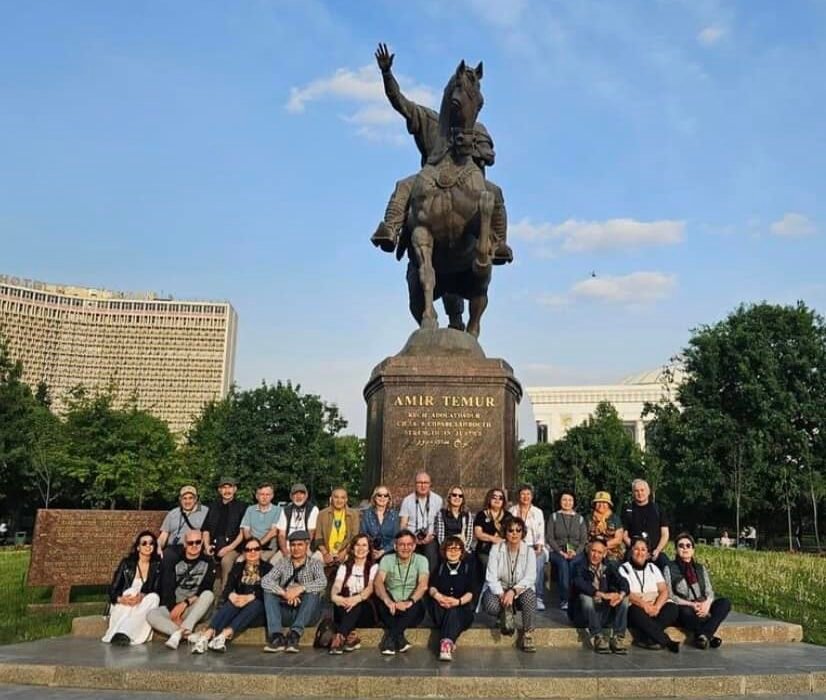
[[790, 587], [16, 623]]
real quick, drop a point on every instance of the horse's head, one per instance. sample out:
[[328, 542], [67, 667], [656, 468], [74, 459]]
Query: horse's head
[[461, 103]]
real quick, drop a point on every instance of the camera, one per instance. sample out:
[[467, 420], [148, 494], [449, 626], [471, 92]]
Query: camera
[[376, 543], [421, 533]]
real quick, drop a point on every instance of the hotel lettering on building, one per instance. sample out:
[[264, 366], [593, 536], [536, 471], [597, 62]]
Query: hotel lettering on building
[[173, 356]]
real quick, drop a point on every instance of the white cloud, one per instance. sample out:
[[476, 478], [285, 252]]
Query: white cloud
[[635, 289], [581, 236], [708, 36], [374, 117], [793, 225]]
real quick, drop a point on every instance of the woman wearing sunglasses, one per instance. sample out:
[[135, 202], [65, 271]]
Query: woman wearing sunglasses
[[380, 522], [489, 526], [689, 586], [242, 602], [134, 592], [455, 520], [511, 577], [451, 595]]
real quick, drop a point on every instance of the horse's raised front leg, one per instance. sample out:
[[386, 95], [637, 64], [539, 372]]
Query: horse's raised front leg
[[422, 242], [477, 308], [484, 252]]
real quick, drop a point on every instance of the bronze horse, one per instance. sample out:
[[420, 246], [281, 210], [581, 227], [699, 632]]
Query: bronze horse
[[449, 222]]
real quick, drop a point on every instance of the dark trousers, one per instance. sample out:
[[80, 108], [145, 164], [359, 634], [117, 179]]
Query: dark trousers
[[652, 629], [451, 622], [688, 620], [361, 615], [239, 619], [429, 551], [398, 623]]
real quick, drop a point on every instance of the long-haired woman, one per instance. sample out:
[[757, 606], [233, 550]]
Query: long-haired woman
[[134, 591], [351, 592], [455, 519]]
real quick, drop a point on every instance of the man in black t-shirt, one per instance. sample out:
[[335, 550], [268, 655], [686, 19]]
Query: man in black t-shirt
[[644, 518], [222, 527]]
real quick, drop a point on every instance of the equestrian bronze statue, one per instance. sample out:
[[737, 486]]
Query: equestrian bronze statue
[[448, 218]]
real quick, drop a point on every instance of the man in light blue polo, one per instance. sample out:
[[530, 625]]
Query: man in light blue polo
[[259, 521]]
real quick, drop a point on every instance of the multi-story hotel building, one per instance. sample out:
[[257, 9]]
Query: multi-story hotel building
[[173, 356]]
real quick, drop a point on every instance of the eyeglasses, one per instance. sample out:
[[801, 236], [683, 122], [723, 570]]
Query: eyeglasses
[[382, 495], [423, 483], [685, 545], [253, 549], [453, 546], [457, 495], [515, 529], [193, 543], [146, 543], [497, 497]]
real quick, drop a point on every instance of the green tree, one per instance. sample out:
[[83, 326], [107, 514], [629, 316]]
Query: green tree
[[270, 433]]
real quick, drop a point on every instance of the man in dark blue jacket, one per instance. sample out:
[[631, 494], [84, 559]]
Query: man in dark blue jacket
[[599, 599]]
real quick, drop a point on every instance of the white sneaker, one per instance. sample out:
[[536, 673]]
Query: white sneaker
[[218, 643], [174, 639], [200, 646], [540, 604]]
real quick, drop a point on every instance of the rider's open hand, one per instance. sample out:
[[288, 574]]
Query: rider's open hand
[[384, 58]]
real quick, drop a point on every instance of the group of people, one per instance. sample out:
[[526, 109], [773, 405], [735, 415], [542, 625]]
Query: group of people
[[269, 566]]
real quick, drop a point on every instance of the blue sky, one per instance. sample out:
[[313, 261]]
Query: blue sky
[[243, 150]]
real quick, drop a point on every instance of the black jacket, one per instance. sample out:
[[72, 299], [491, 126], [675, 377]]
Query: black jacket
[[235, 585], [125, 574], [234, 514], [582, 582]]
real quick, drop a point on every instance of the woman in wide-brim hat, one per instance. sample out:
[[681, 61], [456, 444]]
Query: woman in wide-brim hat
[[606, 525]]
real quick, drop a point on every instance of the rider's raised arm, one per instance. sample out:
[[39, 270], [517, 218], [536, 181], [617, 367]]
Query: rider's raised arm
[[400, 103]]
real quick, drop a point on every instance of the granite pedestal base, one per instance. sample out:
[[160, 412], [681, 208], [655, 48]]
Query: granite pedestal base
[[443, 407]]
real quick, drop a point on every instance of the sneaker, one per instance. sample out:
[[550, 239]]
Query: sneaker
[[715, 642], [277, 643], [540, 604], [600, 644], [388, 646], [563, 605], [200, 645], [701, 641], [174, 639], [507, 624], [651, 646], [337, 645], [120, 640], [404, 644], [528, 644], [446, 650], [352, 643], [292, 642], [218, 643], [618, 644]]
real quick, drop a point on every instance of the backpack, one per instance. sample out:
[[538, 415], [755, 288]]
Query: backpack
[[324, 633]]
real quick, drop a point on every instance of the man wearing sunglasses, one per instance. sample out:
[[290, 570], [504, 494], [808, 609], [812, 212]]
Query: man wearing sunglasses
[[186, 591]]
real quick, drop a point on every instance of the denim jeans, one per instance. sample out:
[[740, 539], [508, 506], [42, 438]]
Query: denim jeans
[[599, 614], [238, 619], [564, 569], [281, 615]]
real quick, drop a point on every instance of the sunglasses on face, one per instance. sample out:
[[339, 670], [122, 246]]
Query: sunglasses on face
[[423, 483], [253, 549], [685, 545], [457, 495], [194, 543], [382, 495], [453, 546], [146, 543], [515, 529], [497, 497]]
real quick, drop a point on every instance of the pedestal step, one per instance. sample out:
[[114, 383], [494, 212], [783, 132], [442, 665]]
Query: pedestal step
[[552, 631]]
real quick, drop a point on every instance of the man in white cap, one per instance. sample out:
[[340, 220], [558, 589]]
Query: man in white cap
[[188, 515], [298, 515]]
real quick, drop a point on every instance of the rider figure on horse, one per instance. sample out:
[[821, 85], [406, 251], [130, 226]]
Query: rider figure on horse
[[423, 124]]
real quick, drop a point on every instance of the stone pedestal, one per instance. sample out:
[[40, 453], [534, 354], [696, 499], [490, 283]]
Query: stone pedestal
[[441, 406]]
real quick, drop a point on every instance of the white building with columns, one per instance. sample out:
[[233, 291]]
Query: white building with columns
[[557, 409]]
